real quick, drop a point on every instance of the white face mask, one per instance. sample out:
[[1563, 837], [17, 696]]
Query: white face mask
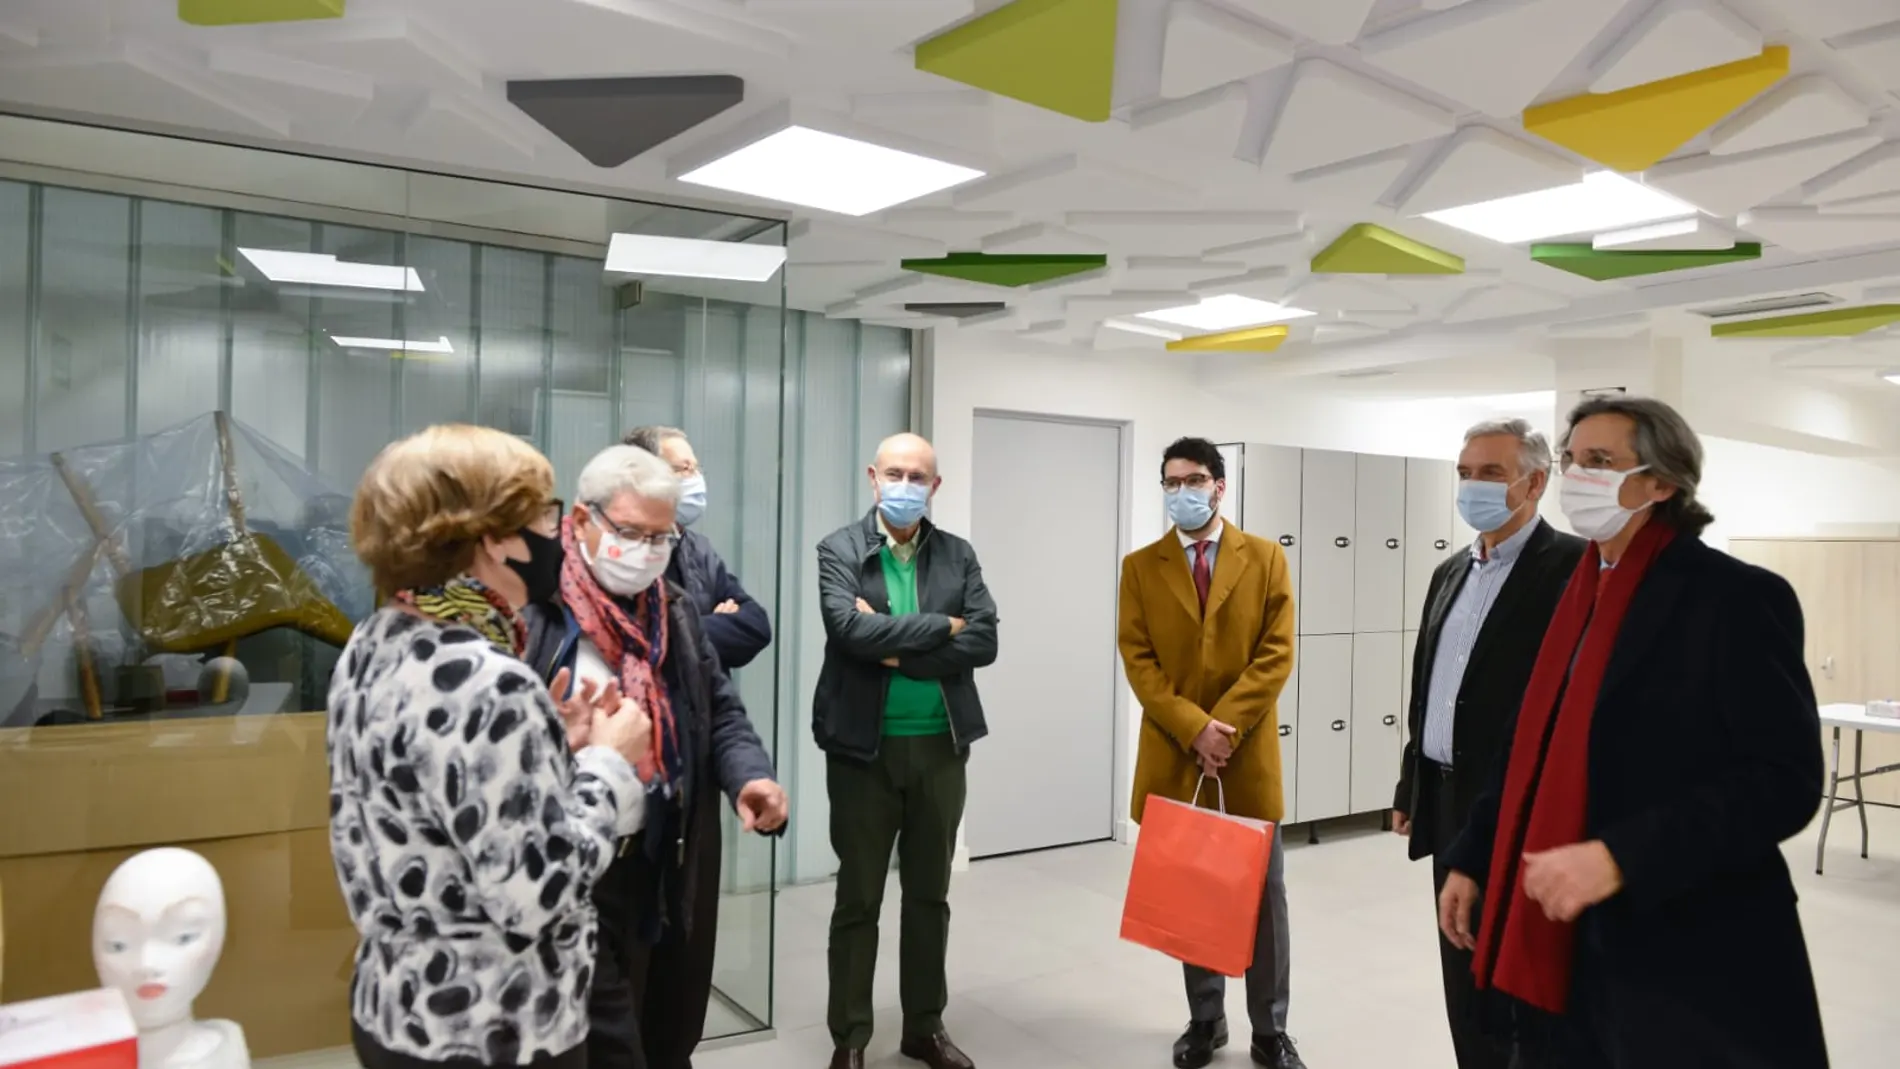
[[625, 568], [1591, 501]]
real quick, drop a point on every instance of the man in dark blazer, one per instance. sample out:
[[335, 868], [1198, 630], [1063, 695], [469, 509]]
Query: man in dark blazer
[[1485, 616]]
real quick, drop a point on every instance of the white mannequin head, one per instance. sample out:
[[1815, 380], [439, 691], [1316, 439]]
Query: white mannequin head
[[157, 933]]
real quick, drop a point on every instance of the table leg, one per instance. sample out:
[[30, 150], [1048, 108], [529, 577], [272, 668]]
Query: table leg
[[1860, 801], [1833, 792]]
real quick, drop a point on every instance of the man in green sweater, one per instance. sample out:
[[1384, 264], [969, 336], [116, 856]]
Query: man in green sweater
[[907, 623]]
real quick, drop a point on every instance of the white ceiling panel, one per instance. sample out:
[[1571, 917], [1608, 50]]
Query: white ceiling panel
[[1725, 185], [1492, 57], [1332, 115]]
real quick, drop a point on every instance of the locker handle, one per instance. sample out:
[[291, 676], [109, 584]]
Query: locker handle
[[1286, 540], [1441, 544], [1342, 541], [1391, 543], [1339, 725], [1391, 720], [1285, 730]]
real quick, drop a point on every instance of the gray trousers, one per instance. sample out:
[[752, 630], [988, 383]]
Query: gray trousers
[[1268, 978]]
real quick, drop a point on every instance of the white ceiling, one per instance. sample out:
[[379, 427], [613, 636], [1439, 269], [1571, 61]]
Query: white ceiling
[[1277, 123]]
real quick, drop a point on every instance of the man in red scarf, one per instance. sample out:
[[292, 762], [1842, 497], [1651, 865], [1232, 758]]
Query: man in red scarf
[[1639, 914]]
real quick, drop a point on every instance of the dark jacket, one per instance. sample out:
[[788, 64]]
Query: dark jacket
[[723, 752], [738, 636], [1493, 682], [1704, 756], [848, 710]]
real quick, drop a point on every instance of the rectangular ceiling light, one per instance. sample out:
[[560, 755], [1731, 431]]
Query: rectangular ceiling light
[[440, 345], [814, 169], [646, 254], [324, 269], [1604, 200], [1229, 311]]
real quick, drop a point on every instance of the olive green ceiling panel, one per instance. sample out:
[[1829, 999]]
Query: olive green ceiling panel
[[1369, 249], [241, 12], [1015, 269], [1055, 54], [1833, 323], [1604, 265]]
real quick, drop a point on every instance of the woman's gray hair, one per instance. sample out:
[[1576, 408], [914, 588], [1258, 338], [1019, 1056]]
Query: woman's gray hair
[[627, 469], [1533, 450], [1665, 445]]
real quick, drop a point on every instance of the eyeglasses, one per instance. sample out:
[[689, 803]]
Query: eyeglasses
[[1594, 461], [1196, 481], [656, 539]]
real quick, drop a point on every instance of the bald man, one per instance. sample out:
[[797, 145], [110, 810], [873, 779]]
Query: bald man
[[907, 623]]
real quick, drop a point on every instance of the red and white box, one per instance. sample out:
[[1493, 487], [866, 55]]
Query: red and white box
[[88, 1030]]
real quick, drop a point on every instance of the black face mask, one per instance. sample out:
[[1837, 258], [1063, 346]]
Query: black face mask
[[542, 570]]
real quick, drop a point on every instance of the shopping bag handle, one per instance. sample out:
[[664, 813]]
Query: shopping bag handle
[[1219, 787]]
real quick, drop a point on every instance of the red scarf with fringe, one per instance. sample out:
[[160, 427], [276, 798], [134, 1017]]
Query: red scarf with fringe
[[637, 651]]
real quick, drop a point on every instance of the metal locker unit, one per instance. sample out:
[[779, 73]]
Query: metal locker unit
[[1325, 727], [1290, 744], [1328, 504], [1431, 490], [1379, 514], [1378, 659], [1410, 652], [1270, 477]]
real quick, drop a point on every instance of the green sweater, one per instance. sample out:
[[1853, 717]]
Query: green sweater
[[911, 706]]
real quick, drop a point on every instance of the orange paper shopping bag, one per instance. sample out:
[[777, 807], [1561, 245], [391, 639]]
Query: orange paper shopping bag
[[1195, 890]]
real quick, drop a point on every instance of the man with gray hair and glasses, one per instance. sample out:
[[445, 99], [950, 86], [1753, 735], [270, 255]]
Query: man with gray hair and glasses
[[1485, 615]]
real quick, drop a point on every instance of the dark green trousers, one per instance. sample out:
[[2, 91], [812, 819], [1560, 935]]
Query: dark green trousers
[[910, 797]]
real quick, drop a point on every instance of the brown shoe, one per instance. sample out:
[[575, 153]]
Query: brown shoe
[[937, 1052], [843, 1058]]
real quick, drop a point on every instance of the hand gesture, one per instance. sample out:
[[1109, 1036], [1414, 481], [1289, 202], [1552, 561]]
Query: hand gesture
[[1214, 745], [577, 705], [726, 608], [865, 606], [957, 624], [627, 730], [762, 806], [1570, 879], [1455, 904]]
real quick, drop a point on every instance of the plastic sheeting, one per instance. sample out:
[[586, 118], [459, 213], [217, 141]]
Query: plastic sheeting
[[182, 542]]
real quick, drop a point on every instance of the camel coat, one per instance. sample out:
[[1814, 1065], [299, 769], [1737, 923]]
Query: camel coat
[[1229, 666]]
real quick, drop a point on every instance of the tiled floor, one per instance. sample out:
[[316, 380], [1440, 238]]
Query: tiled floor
[[1039, 979]]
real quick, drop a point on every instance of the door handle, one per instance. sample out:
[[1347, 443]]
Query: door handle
[[1342, 541], [1391, 543], [1285, 730], [1391, 720], [1441, 544], [1286, 540], [1339, 725]]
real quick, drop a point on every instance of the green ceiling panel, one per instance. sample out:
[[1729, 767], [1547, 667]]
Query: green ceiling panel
[[1024, 269], [1055, 54], [1369, 249], [1833, 323], [242, 12], [1603, 265]]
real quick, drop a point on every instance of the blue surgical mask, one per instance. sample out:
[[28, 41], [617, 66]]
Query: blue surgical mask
[[902, 504], [1483, 505], [1190, 509], [692, 500]]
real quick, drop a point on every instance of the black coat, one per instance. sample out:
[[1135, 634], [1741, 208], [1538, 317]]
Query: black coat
[[848, 709], [1704, 756], [1494, 680], [737, 636]]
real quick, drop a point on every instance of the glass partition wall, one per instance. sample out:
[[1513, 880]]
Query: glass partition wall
[[201, 348]]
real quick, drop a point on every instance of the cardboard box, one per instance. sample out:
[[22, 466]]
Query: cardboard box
[[89, 1030]]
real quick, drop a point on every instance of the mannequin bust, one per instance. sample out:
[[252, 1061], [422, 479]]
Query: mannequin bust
[[156, 937]]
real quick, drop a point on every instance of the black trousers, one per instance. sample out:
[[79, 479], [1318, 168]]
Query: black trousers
[[1476, 1049], [648, 1008]]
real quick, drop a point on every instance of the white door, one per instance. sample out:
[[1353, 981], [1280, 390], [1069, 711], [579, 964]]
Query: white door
[[1378, 581], [1431, 489], [1326, 526], [1045, 517], [1290, 743], [1271, 476], [1325, 731], [1377, 660]]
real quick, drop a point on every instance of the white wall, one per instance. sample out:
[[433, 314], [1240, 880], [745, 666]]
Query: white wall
[[1765, 490]]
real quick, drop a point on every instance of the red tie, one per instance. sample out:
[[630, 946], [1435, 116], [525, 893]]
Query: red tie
[[1203, 575]]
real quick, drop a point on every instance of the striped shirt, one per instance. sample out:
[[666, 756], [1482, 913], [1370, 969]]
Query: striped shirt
[[1458, 635]]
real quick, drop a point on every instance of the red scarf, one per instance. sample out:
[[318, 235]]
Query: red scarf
[[638, 651], [1547, 783]]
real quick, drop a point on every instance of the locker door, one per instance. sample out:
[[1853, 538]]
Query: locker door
[[1378, 580], [1290, 745], [1325, 727], [1326, 526], [1431, 489], [1232, 506], [1271, 507], [1376, 662], [1405, 687]]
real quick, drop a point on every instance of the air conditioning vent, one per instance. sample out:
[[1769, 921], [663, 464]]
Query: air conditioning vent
[[1760, 305]]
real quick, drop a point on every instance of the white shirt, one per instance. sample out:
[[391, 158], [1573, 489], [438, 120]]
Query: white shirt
[[1213, 545], [591, 667]]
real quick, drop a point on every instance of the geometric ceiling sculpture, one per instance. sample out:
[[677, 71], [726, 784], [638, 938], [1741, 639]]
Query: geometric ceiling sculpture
[[1024, 269], [1250, 340], [1482, 165], [1603, 265], [1727, 185], [1833, 323], [611, 120], [1797, 110], [1330, 22], [1632, 129], [1808, 230], [1676, 38], [955, 309], [1055, 54], [243, 12], [1369, 249], [1494, 57], [1332, 115], [1207, 46], [1876, 173], [1502, 302]]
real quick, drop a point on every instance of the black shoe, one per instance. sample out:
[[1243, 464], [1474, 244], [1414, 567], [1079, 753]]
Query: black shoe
[[937, 1052], [1276, 1052], [846, 1058], [1197, 1045]]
